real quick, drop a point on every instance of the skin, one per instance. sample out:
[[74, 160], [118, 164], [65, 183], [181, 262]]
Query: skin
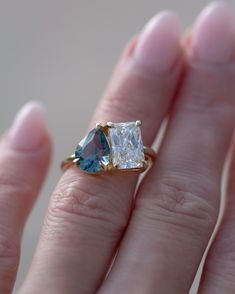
[[162, 231]]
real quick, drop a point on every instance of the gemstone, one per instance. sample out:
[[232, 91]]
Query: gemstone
[[93, 151], [127, 150]]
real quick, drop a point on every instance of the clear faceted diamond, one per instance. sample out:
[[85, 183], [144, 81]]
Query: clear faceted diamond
[[127, 149]]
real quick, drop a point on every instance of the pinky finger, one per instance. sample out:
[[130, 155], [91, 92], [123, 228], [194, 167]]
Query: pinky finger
[[24, 158]]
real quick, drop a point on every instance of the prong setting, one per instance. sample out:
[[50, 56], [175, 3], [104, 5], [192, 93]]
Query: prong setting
[[145, 164], [110, 124], [76, 160], [116, 166], [98, 125]]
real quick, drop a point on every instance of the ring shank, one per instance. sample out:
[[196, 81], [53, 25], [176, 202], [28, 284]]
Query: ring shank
[[149, 153], [68, 162]]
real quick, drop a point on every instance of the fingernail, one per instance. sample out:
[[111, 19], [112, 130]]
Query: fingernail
[[159, 43], [29, 127], [213, 37]]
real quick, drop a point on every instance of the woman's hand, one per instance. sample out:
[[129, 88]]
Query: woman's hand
[[162, 238]]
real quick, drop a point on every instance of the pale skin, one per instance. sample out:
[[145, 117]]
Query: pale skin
[[160, 233]]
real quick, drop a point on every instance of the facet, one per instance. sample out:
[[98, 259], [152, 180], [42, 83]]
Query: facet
[[93, 151], [127, 151]]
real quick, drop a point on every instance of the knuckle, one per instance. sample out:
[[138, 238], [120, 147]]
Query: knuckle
[[77, 201], [202, 100], [208, 91], [180, 205], [12, 184], [119, 104], [118, 98], [9, 253]]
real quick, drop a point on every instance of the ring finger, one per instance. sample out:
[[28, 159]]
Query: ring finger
[[87, 215]]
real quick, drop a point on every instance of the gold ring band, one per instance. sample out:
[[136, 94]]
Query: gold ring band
[[112, 147]]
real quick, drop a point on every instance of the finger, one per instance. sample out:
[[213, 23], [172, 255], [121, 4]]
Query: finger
[[219, 269], [177, 204], [87, 215], [24, 158]]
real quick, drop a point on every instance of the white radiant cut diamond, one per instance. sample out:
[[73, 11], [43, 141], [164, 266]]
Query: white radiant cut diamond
[[127, 149]]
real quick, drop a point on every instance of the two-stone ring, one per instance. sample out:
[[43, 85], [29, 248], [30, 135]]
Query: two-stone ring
[[112, 146]]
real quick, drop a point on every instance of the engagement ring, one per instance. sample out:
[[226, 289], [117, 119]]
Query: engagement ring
[[112, 146]]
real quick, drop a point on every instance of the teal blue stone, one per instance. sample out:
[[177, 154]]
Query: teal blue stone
[[92, 151]]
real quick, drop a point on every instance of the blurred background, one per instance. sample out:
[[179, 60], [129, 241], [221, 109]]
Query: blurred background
[[62, 53]]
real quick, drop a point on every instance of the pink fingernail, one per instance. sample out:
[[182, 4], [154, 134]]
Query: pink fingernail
[[213, 38], [159, 43], [29, 127]]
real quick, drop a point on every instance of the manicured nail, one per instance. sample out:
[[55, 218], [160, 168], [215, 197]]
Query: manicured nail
[[159, 43], [29, 127], [213, 37]]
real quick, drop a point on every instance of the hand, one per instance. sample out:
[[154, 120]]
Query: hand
[[162, 238]]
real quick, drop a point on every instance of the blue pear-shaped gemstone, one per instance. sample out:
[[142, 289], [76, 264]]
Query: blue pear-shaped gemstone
[[92, 151]]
